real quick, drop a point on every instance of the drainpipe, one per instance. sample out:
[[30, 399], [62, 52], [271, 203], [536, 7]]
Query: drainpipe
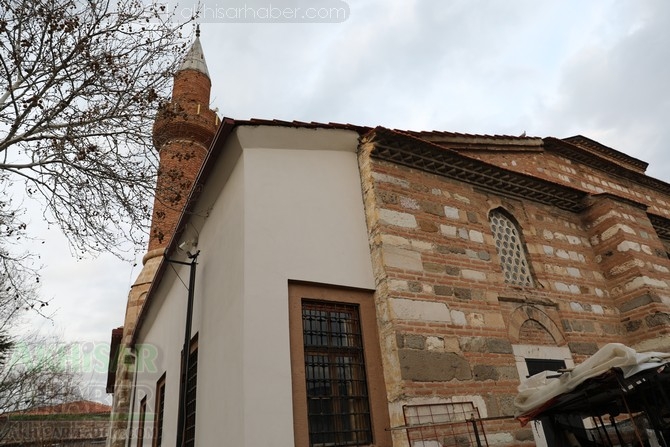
[[181, 419]]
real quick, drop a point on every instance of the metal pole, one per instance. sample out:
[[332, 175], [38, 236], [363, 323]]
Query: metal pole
[[474, 427], [181, 418]]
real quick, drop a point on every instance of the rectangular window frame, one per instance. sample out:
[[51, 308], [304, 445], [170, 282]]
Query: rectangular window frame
[[190, 394], [142, 419], [364, 300], [159, 412]]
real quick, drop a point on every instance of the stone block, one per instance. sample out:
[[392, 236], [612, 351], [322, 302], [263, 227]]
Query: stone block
[[402, 259], [420, 310], [458, 317], [524, 434], [499, 438], [508, 372], [494, 320], [434, 343], [461, 198], [567, 326], [388, 197], [485, 372], [414, 341], [443, 290], [397, 218], [448, 250], [474, 275], [614, 229], [562, 254], [398, 285], [658, 319], [380, 177], [625, 246], [472, 217], [636, 302], [432, 208], [583, 348], [452, 271], [448, 230], [476, 236], [409, 203], [414, 286], [451, 344], [398, 241], [472, 344], [475, 319], [484, 255], [498, 346], [451, 213], [642, 281], [427, 226], [433, 267], [433, 366], [400, 340], [462, 293], [506, 404], [574, 240]]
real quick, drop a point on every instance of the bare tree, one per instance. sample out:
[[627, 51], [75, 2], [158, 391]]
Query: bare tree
[[35, 374], [80, 83]]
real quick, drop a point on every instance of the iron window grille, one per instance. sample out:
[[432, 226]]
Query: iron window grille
[[338, 407], [191, 388]]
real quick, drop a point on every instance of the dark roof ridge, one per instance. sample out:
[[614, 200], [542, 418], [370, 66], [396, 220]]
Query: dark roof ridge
[[595, 146], [596, 161], [477, 139]]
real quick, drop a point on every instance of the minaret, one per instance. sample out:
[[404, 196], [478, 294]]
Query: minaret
[[182, 133]]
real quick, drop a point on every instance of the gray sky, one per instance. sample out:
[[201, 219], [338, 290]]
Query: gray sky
[[549, 68]]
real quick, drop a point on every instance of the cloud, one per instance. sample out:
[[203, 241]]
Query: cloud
[[615, 91]]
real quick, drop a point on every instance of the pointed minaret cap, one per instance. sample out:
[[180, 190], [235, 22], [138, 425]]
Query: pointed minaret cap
[[195, 58]]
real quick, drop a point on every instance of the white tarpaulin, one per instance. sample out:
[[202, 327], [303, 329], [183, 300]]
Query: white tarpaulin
[[539, 389]]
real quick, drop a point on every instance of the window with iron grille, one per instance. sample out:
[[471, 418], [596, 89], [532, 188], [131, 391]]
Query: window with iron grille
[[159, 412], [510, 248], [338, 408], [191, 387], [140, 426]]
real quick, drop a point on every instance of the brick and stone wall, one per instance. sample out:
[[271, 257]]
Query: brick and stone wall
[[448, 320]]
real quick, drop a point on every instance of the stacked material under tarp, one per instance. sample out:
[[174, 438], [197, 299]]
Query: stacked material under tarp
[[538, 393]]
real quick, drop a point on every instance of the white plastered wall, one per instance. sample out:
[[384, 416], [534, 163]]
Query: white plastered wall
[[291, 209]]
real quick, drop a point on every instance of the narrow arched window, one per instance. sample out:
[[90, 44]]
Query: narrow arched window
[[510, 248]]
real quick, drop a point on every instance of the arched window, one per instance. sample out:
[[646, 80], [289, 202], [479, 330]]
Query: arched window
[[510, 249]]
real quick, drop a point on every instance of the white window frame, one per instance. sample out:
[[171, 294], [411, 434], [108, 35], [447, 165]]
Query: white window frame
[[523, 352]]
